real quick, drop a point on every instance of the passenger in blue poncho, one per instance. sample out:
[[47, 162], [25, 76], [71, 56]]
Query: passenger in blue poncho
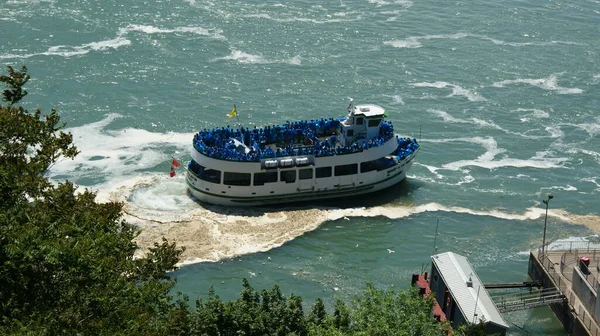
[[332, 141]]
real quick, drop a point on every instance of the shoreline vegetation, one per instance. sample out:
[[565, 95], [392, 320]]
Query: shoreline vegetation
[[70, 264]]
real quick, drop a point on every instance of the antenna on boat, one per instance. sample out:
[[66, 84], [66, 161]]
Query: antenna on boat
[[419, 133], [349, 107], [434, 247]]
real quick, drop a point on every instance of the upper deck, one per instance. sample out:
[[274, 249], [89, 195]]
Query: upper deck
[[363, 128]]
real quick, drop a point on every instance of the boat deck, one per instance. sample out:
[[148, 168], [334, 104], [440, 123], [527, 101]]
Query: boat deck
[[317, 138]]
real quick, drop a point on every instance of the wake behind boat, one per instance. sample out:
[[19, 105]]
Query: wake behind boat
[[299, 161]]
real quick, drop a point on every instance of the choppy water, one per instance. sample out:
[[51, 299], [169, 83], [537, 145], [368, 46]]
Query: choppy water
[[503, 96]]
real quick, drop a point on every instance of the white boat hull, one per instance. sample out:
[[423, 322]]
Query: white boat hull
[[299, 190]]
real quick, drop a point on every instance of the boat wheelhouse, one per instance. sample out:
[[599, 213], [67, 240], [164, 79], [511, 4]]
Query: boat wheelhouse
[[299, 161]]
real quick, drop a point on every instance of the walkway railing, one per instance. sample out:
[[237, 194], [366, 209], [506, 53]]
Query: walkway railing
[[513, 302]]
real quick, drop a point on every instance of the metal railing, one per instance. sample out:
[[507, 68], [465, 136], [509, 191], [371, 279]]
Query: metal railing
[[588, 321], [570, 259], [548, 264], [513, 302]]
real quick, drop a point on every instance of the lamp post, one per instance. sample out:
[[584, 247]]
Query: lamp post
[[546, 201]]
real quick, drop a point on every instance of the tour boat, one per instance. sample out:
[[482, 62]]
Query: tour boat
[[305, 160]]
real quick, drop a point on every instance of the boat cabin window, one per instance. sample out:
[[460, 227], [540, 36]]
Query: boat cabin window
[[348, 169], [266, 177], [195, 167], [368, 166], [385, 163], [305, 174], [203, 173], [374, 122], [360, 121], [323, 172], [288, 176], [350, 132], [236, 179]]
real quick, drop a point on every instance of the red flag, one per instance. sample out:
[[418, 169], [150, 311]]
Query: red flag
[[172, 171], [175, 163]]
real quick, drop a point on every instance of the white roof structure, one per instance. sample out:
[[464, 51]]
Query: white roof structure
[[369, 110], [463, 283]]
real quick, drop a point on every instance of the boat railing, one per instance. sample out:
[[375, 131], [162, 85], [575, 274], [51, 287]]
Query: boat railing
[[213, 144]]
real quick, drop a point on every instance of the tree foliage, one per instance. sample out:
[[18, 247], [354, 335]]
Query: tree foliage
[[67, 262]]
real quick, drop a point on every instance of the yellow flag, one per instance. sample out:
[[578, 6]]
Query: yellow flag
[[233, 113]]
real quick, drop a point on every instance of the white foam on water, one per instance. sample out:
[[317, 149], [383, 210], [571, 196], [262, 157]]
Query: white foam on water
[[457, 90], [531, 113], [475, 121], [526, 44], [119, 41], [28, 2], [187, 29], [336, 18], [403, 3], [414, 41], [246, 58], [70, 51], [118, 154], [410, 43], [592, 180], [487, 159], [397, 100], [592, 129], [549, 83], [555, 131], [212, 233]]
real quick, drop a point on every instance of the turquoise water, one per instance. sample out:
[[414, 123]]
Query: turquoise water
[[503, 97]]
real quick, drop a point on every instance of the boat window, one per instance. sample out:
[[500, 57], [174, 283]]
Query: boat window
[[203, 173], [368, 166], [236, 179], [348, 169], [359, 121], [374, 122], [350, 132], [288, 176], [305, 174], [195, 167], [385, 163], [266, 177], [323, 172]]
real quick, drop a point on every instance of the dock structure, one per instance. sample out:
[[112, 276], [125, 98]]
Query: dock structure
[[565, 277], [459, 295], [572, 272]]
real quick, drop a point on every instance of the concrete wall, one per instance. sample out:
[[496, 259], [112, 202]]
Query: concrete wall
[[584, 291], [562, 311], [596, 310]]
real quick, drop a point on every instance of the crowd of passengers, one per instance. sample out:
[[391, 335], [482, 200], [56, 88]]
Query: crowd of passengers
[[291, 138]]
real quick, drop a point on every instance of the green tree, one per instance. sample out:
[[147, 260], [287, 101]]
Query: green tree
[[471, 330], [378, 312], [67, 263]]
